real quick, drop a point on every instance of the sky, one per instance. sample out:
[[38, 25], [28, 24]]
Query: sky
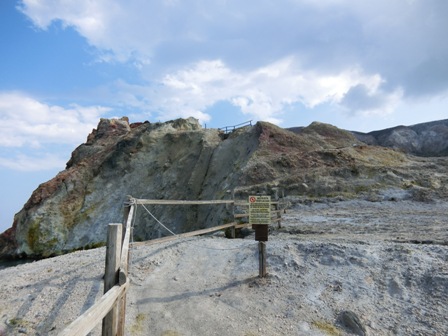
[[64, 64]]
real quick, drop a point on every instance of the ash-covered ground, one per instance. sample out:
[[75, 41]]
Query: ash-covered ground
[[334, 268]]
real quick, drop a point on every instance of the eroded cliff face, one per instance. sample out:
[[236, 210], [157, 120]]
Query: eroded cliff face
[[173, 160], [180, 160]]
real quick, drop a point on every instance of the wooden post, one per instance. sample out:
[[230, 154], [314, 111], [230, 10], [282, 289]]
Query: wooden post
[[262, 258], [121, 320], [113, 252], [232, 232], [233, 213], [126, 212], [123, 274], [279, 214]]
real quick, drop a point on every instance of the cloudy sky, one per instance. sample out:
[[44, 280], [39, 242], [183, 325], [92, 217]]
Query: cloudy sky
[[359, 65]]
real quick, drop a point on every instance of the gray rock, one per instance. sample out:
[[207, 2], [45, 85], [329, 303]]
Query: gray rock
[[426, 139], [351, 322]]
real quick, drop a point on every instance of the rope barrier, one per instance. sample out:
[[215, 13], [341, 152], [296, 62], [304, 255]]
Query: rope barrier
[[174, 234], [158, 220]]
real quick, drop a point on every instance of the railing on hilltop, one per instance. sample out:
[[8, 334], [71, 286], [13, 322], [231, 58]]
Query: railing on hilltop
[[228, 129], [111, 307]]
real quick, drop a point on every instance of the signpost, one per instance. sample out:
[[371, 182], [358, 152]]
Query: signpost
[[260, 218]]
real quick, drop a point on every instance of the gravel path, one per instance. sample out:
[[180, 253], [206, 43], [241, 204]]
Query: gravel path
[[333, 269]]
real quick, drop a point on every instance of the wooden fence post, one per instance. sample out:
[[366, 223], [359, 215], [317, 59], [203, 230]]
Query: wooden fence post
[[232, 229], [123, 274], [122, 314], [113, 254], [262, 258], [279, 214], [233, 232]]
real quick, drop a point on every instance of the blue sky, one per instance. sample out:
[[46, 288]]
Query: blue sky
[[64, 64]]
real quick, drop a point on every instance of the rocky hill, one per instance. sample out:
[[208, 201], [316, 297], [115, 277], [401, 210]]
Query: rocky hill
[[180, 160], [427, 139]]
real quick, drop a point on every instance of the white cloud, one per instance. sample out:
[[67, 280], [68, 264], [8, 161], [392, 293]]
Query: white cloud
[[366, 56], [35, 136], [141, 29], [262, 93], [24, 121], [29, 163], [362, 100]]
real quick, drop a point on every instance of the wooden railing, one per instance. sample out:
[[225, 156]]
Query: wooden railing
[[228, 129], [110, 309]]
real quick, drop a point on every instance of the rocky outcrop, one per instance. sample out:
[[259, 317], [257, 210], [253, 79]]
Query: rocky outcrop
[[176, 160], [427, 139], [180, 160]]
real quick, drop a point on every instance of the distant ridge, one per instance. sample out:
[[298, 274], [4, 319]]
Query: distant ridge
[[425, 139]]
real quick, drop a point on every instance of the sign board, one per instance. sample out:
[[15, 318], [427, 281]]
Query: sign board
[[259, 209], [261, 232]]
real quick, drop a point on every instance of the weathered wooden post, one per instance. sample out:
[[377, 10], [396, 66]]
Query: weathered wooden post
[[232, 229], [262, 258], [113, 254], [123, 273], [279, 214]]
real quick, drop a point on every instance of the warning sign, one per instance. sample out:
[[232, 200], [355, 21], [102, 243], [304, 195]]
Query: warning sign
[[259, 209]]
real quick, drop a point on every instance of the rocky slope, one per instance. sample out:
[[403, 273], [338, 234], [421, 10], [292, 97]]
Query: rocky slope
[[427, 139], [180, 160]]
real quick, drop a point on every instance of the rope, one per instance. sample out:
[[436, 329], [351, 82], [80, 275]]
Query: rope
[[204, 247], [158, 220], [131, 201]]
